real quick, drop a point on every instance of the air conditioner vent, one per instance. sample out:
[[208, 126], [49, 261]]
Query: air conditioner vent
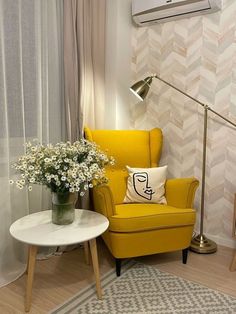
[[157, 11]]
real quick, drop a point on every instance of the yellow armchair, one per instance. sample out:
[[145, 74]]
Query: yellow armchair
[[141, 229]]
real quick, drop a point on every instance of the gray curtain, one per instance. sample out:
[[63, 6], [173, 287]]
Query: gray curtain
[[84, 64]]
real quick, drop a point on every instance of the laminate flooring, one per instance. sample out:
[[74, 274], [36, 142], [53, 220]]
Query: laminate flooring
[[60, 277]]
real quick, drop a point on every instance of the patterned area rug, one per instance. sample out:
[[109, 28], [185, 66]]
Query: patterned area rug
[[143, 289]]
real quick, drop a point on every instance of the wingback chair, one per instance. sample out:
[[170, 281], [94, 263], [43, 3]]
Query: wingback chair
[[141, 229]]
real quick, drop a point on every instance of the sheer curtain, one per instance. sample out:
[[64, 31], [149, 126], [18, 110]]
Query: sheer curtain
[[84, 51], [31, 97]]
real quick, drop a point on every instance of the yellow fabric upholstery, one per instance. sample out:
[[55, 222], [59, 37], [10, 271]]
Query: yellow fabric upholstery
[[180, 192], [141, 229], [143, 217], [118, 190], [138, 149], [124, 245]]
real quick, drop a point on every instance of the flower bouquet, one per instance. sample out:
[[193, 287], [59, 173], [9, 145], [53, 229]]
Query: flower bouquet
[[66, 169]]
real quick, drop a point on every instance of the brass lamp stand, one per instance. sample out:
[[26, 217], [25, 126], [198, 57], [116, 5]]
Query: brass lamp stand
[[199, 243]]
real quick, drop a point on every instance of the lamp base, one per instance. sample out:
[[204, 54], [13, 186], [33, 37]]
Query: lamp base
[[200, 244]]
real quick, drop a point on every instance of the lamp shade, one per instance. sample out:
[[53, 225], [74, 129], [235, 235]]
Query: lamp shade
[[141, 88]]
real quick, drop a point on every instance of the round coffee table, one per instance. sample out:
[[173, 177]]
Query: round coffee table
[[38, 230]]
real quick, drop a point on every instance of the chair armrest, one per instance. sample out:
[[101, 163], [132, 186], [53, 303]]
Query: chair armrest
[[103, 200], [180, 192]]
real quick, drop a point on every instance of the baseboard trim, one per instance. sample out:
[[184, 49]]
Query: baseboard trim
[[222, 241]]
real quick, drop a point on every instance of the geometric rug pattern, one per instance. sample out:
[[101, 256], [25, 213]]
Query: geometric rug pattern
[[143, 289]]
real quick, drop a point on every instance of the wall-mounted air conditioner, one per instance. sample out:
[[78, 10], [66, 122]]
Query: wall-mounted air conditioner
[[147, 12]]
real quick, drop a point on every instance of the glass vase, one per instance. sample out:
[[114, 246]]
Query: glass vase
[[63, 208]]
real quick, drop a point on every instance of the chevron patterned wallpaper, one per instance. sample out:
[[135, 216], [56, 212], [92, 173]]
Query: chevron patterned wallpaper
[[197, 55]]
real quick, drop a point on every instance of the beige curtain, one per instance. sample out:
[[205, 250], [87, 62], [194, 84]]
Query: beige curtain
[[84, 64]]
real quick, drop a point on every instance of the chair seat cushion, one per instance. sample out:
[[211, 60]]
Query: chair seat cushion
[[142, 217]]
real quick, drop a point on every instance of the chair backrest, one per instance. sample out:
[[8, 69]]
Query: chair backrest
[[135, 148]]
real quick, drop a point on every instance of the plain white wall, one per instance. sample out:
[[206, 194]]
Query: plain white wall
[[118, 64]]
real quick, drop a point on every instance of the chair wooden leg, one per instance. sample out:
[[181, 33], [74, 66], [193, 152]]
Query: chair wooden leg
[[185, 255], [118, 266], [86, 252]]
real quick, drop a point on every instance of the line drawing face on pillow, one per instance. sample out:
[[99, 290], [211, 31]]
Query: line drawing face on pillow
[[141, 185]]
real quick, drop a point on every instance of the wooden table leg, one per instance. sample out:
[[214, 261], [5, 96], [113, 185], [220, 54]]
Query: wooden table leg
[[30, 276], [27, 267], [93, 248], [86, 251], [233, 263]]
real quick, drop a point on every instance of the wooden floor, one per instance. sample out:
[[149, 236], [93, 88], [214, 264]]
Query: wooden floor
[[60, 277]]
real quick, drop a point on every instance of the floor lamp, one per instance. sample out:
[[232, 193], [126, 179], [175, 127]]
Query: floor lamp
[[199, 243]]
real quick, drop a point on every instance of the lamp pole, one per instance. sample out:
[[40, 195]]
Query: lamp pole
[[199, 243], [203, 168]]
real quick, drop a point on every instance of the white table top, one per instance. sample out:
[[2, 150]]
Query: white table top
[[38, 229]]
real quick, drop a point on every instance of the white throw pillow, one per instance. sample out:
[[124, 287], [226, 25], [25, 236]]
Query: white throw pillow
[[146, 185]]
